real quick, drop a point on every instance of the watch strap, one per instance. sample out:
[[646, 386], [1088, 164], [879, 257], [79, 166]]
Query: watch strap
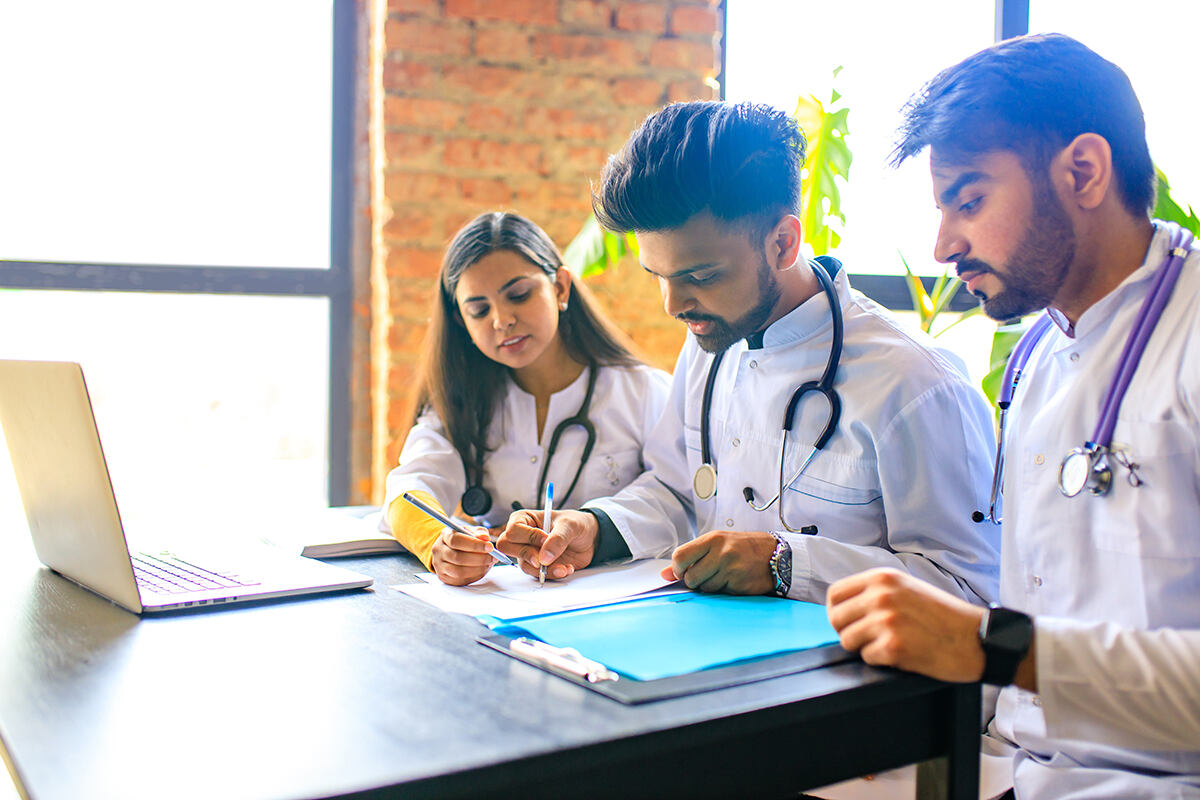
[[1005, 636]]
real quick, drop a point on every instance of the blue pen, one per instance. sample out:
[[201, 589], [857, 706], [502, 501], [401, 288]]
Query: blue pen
[[452, 524], [546, 529]]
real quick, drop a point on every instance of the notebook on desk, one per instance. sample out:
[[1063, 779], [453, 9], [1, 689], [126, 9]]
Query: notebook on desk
[[71, 508]]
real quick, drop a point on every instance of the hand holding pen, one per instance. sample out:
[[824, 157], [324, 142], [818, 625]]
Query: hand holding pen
[[569, 544], [460, 555]]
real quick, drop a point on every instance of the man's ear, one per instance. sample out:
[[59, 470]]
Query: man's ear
[[1084, 169], [783, 242]]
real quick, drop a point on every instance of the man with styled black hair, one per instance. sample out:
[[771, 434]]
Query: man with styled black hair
[[1045, 184], [712, 192]]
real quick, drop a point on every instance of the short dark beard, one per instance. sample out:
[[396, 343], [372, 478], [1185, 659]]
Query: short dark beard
[[1038, 267], [724, 334]]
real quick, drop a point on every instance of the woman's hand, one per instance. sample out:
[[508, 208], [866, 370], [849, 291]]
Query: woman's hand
[[459, 559], [570, 545]]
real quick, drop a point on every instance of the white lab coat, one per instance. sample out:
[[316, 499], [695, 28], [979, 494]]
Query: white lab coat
[[895, 486], [626, 403], [1112, 581]]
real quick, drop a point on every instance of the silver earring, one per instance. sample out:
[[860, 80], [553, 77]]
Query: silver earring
[[562, 306]]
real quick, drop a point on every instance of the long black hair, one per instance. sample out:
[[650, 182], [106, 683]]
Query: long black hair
[[461, 384]]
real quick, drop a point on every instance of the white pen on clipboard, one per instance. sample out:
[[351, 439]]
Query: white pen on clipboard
[[565, 659], [452, 524]]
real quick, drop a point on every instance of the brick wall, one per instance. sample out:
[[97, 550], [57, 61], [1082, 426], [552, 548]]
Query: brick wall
[[511, 105]]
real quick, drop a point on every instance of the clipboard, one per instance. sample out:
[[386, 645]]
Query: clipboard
[[653, 648]]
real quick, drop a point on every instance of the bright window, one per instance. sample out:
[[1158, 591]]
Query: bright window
[[1152, 47], [887, 51], [192, 137], [142, 131], [779, 51]]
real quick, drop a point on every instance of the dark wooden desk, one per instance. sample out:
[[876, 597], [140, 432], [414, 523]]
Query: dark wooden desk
[[374, 694]]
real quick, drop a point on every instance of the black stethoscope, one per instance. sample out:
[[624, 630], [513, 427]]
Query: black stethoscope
[[704, 481], [1088, 467], [477, 500]]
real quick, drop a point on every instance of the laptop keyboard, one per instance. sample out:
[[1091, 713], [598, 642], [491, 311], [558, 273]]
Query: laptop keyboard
[[171, 575]]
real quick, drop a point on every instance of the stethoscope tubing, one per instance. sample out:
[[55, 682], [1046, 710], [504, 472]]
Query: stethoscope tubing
[[580, 419], [1131, 354], [1135, 345], [824, 387]]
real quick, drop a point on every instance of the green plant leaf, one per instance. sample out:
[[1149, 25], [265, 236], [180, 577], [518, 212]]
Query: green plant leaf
[[970, 312], [921, 302], [586, 249], [944, 292], [1003, 341], [614, 248], [594, 249], [1165, 207], [827, 161]]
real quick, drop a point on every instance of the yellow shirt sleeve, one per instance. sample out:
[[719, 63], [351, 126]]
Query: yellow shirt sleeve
[[415, 529]]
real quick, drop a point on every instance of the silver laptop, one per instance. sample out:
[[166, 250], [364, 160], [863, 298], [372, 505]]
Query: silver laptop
[[72, 511]]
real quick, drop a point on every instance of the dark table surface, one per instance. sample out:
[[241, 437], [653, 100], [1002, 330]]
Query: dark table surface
[[373, 693]]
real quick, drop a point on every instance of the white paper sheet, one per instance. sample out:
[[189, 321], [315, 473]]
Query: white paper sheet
[[507, 592]]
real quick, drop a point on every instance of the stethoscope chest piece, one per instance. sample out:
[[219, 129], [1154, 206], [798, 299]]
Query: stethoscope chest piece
[[704, 482], [476, 501], [1085, 468]]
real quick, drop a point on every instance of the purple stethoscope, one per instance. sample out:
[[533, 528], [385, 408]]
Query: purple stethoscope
[[1088, 467]]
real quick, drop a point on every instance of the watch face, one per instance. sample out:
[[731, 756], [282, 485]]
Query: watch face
[[1073, 474], [785, 564], [1009, 631], [704, 482]]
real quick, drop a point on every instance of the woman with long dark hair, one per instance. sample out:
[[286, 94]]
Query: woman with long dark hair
[[522, 382]]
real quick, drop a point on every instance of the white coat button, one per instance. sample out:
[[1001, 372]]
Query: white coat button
[[533, 459], [1037, 580], [1039, 459], [737, 442], [753, 365], [1074, 356], [1037, 701], [728, 523]]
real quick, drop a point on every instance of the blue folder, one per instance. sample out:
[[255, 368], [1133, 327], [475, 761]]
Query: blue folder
[[682, 643]]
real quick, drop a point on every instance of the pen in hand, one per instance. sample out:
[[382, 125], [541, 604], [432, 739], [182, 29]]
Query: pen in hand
[[546, 529], [452, 524]]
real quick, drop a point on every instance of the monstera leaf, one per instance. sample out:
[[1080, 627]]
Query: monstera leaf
[[826, 165], [827, 161]]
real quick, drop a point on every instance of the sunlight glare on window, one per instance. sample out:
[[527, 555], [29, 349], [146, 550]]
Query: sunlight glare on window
[[1156, 63], [140, 131], [778, 51]]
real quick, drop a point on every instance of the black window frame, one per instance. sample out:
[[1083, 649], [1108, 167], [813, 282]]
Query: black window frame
[[341, 283]]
